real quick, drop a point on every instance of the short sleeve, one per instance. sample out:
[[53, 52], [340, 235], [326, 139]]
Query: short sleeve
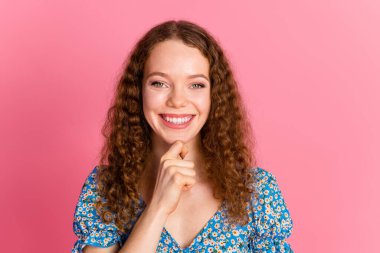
[[87, 224], [272, 221]]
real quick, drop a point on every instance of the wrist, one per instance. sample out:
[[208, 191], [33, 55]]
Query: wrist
[[157, 211]]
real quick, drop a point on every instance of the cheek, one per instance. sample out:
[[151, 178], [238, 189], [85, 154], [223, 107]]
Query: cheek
[[151, 102], [203, 102]]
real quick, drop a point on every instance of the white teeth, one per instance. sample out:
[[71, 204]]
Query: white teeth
[[178, 121]]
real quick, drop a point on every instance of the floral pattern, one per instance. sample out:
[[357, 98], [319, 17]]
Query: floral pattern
[[268, 228]]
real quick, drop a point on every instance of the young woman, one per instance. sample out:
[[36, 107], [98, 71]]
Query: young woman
[[177, 172]]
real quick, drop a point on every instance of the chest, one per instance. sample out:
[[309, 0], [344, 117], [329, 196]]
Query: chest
[[193, 213]]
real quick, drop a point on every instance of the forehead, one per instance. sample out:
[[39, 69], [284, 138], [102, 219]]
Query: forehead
[[176, 58]]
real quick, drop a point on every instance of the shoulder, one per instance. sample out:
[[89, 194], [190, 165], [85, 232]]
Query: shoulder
[[265, 182], [91, 179], [261, 173], [271, 215], [89, 188], [271, 223], [87, 224]]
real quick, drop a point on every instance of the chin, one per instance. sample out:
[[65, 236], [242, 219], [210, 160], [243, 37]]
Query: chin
[[172, 140]]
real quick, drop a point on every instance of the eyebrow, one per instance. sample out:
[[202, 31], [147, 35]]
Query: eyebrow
[[166, 75]]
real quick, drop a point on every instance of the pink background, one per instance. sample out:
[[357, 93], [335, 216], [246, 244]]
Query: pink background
[[308, 72]]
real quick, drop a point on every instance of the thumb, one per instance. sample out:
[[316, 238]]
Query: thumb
[[177, 151], [184, 151]]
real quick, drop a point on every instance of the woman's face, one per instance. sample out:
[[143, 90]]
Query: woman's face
[[176, 91]]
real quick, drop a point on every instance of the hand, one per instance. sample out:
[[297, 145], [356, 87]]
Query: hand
[[174, 176]]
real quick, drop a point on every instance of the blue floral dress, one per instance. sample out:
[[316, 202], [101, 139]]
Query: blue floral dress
[[268, 228]]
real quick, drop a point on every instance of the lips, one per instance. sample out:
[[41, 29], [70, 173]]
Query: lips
[[175, 115], [175, 125]]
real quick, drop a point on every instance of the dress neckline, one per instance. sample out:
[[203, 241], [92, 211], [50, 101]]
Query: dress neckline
[[204, 229]]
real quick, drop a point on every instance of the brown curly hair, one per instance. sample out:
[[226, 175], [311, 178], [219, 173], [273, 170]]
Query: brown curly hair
[[227, 143]]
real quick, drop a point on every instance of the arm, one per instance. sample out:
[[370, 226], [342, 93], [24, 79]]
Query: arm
[[144, 236], [174, 176], [92, 249], [92, 234], [146, 233]]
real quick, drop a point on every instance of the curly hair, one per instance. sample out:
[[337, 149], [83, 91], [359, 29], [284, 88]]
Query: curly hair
[[226, 137]]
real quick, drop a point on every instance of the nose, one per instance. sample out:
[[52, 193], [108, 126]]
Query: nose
[[177, 97]]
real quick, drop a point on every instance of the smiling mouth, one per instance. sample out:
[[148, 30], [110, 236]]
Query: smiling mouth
[[177, 119]]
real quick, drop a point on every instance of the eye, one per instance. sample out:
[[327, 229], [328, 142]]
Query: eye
[[157, 84], [199, 85]]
